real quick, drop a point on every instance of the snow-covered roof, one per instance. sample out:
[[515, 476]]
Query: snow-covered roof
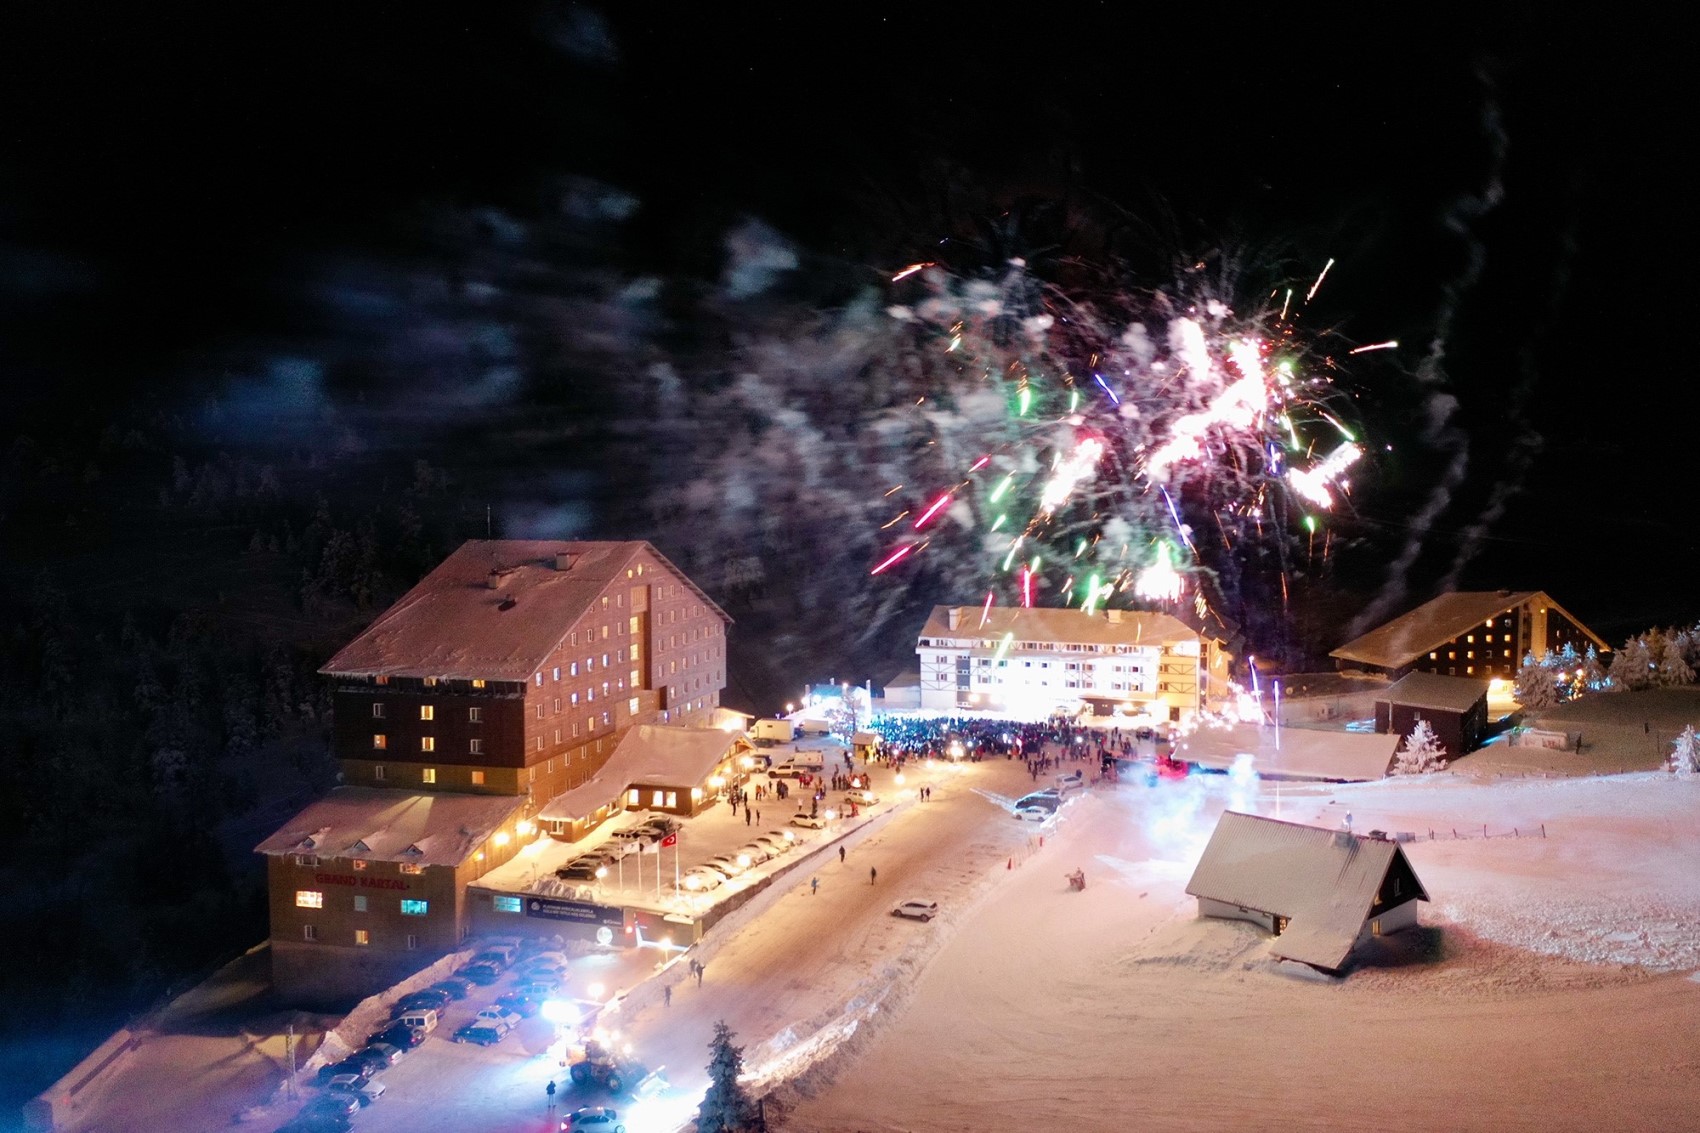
[[495, 609], [1325, 881], [648, 755], [1439, 620], [1044, 625], [1431, 690], [393, 826], [1328, 754]]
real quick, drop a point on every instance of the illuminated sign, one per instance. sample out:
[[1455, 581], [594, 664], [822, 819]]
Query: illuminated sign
[[579, 911]]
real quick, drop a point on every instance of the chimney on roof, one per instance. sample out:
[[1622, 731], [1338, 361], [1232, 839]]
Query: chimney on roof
[[954, 615], [495, 578], [563, 560], [1504, 593]]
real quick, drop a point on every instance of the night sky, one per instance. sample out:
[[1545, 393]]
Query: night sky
[[293, 299], [274, 210]]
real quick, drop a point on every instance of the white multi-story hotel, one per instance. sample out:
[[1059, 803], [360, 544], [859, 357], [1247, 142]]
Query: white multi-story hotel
[[1032, 662]]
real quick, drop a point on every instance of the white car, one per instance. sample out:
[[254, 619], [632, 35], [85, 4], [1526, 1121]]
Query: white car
[[776, 843], [861, 798], [813, 822], [727, 864], [1072, 781], [700, 878], [496, 1015], [757, 852], [917, 910], [365, 1089], [1034, 813], [598, 1118]]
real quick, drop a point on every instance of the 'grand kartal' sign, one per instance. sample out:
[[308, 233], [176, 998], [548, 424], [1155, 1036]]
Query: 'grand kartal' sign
[[361, 882], [579, 911]]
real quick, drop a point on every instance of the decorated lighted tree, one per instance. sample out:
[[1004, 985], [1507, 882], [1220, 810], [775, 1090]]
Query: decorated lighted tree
[[1671, 666], [1422, 752], [1593, 673], [1685, 753], [1631, 666]]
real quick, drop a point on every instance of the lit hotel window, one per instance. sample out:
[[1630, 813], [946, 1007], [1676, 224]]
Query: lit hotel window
[[428, 775], [409, 867], [427, 743], [478, 778], [309, 899], [427, 712], [358, 865], [380, 741], [430, 682], [412, 908], [477, 684], [361, 936]]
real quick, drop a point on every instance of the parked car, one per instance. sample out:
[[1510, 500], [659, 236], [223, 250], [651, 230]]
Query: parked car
[[1071, 781], [917, 910], [399, 1034], [782, 841], [665, 823], [582, 869], [811, 821], [538, 989], [380, 1055], [516, 1004], [699, 878], [343, 1105], [757, 852], [593, 1119], [1035, 813], [431, 999], [349, 1065], [1049, 799], [481, 974], [500, 1015], [319, 1121], [550, 957], [499, 958], [454, 986], [727, 864], [483, 1032], [424, 1019], [364, 1090]]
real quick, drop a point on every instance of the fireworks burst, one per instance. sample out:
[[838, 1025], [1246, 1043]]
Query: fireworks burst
[[1108, 435]]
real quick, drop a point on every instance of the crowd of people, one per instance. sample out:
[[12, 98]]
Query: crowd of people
[[1041, 746]]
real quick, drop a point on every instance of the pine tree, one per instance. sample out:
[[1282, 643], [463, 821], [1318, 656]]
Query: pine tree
[[1673, 668], [1422, 752], [1631, 666], [727, 1107], [1593, 673], [1685, 754], [1535, 688]]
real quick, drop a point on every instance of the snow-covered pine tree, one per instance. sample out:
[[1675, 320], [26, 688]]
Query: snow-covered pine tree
[[1535, 688], [1672, 666], [727, 1107], [1421, 753], [1631, 666], [1685, 753]]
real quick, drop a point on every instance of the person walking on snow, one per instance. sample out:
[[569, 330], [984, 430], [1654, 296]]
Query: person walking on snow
[[841, 855], [873, 875], [814, 887]]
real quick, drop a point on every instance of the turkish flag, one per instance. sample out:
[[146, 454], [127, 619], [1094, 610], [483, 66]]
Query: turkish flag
[[670, 840]]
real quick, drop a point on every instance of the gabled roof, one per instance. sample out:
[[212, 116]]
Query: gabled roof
[[1439, 620], [1038, 624], [648, 755], [393, 826], [1324, 880], [1431, 690], [455, 624]]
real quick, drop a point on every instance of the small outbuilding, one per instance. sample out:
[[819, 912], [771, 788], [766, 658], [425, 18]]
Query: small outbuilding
[[1323, 893], [1455, 707]]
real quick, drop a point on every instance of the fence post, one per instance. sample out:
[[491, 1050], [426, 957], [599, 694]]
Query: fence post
[[1543, 830]]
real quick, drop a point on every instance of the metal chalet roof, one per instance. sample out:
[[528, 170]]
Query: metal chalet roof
[[376, 824], [648, 755], [456, 625], [1325, 881], [1431, 690], [1038, 625], [1437, 621]]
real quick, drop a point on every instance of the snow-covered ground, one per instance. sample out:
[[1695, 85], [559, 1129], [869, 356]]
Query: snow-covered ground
[[1546, 989]]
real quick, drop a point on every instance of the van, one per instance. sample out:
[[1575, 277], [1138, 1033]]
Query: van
[[425, 1020]]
